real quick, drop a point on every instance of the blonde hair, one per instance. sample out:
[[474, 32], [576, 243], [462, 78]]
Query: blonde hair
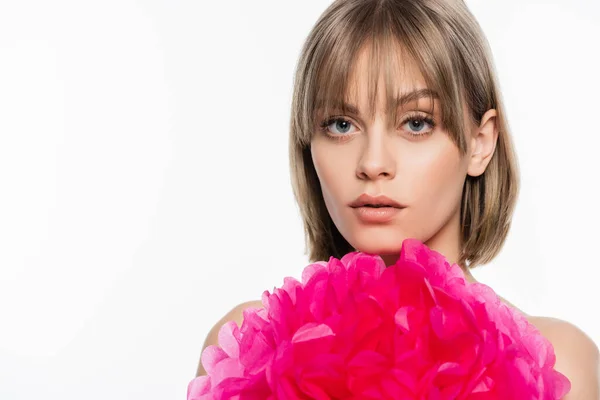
[[446, 42]]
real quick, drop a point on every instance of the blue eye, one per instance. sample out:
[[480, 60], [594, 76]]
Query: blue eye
[[340, 123], [420, 123], [419, 126]]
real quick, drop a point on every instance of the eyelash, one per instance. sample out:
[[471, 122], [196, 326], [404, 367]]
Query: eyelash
[[415, 116]]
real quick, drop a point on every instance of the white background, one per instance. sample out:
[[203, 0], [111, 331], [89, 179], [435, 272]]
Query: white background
[[144, 185]]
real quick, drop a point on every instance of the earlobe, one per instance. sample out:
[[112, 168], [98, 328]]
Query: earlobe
[[483, 144]]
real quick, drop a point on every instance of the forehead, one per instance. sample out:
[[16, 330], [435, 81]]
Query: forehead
[[380, 79], [393, 71]]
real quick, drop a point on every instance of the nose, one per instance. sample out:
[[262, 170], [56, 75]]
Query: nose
[[377, 160]]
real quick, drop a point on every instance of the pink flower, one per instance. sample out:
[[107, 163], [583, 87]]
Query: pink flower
[[354, 329]]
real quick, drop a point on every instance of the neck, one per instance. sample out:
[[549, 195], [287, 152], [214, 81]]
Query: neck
[[447, 242]]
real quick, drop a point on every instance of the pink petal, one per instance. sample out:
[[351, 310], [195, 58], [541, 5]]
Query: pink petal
[[210, 357], [228, 338], [199, 388], [312, 331], [401, 318]]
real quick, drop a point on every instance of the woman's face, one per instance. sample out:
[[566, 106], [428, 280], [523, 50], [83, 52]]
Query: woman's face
[[412, 163]]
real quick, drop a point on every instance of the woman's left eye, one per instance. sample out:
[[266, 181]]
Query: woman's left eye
[[416, 123]]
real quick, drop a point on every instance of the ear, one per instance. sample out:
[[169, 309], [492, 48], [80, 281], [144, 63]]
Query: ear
[[483, 143]]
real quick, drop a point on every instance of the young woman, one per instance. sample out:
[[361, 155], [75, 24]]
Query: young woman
[[398, 130]]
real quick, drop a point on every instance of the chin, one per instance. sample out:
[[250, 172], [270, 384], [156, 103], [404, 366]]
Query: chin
[[383, 242]]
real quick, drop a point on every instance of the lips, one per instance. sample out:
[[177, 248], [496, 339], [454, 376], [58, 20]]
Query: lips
[[366, 200]]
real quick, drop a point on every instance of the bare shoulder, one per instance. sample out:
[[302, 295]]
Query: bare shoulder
[[235, 314], [577, 356]]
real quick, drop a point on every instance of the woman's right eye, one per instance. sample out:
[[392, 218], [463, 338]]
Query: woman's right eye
[[341, 124]]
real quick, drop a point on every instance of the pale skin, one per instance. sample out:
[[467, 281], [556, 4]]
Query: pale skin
[[425, 173]]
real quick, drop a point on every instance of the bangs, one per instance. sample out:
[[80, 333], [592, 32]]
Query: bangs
[[395, 48], [384, 58]]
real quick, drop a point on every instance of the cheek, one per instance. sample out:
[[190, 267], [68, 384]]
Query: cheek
[[437, 174], [334, 171]]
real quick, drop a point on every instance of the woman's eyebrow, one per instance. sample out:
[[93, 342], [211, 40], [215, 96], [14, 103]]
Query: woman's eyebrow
[[399, 101]]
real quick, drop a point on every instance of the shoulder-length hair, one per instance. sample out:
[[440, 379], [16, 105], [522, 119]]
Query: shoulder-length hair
[[446, 42]]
